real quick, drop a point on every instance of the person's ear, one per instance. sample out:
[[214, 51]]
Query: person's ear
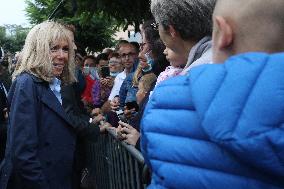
[[223, 32], [172, 31]]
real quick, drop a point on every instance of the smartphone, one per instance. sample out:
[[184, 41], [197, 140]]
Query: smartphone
[[131, 105], [119, 112], [105, 71]]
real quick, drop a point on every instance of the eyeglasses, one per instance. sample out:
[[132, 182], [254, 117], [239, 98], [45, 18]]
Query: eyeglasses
[[131, 54], [113, 62]]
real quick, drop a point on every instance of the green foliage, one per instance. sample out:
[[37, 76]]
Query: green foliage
[[96, 21], [2, 34], [12, 37], [126, 12], [93, 31], [39, 10], [94, 34]]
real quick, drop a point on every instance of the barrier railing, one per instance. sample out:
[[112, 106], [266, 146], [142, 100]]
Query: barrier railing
[[114, 164]]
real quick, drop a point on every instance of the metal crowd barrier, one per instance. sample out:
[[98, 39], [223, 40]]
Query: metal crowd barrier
[[114, 164]]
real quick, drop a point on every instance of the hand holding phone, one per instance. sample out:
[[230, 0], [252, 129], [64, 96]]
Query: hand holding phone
[[105, 72], [132, 106]]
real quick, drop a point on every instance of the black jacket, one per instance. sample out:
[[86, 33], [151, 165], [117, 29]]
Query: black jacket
[[3, 122], [77, 116]]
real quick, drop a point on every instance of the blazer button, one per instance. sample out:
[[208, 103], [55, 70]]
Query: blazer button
[[46, 144]]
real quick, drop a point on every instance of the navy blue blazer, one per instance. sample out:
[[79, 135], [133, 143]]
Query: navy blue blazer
[[41, 140]]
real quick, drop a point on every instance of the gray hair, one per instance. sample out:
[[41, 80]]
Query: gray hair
[[191, 18], [35, 56]]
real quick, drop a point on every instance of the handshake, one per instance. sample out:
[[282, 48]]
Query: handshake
[[99, 119], [127, 133]]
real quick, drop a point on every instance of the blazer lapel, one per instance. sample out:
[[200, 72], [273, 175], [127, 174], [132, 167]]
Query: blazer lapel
[[49, 99]]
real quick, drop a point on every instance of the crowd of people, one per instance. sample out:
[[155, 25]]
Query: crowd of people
[[200, 97]]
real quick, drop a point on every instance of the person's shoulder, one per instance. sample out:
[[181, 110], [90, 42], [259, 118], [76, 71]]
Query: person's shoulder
[[205, 70], [254, 59], [174, 81], [251, 63], [247, 58], [235, 62], [24, 78], [130, 76], [172, 87], [27, 79]]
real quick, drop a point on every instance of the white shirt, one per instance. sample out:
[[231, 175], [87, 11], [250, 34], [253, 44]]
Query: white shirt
[[54, 85], [117, 84]]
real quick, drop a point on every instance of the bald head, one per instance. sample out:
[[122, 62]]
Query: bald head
[[257, 24]]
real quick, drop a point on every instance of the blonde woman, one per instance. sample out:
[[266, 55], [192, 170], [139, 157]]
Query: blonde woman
[[41, 141]]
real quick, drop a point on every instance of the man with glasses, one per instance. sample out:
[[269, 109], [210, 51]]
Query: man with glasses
[[129, 55]]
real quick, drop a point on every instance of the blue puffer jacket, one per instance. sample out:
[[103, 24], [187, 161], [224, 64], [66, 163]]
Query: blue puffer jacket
[[220, 127]]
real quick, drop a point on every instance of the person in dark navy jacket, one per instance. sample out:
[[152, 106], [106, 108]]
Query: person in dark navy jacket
[[3, 119], [40, 141]]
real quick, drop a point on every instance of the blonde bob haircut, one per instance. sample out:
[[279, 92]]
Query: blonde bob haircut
[[36, 58]]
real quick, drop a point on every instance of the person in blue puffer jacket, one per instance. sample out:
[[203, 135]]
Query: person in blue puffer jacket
[[221, 126]]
